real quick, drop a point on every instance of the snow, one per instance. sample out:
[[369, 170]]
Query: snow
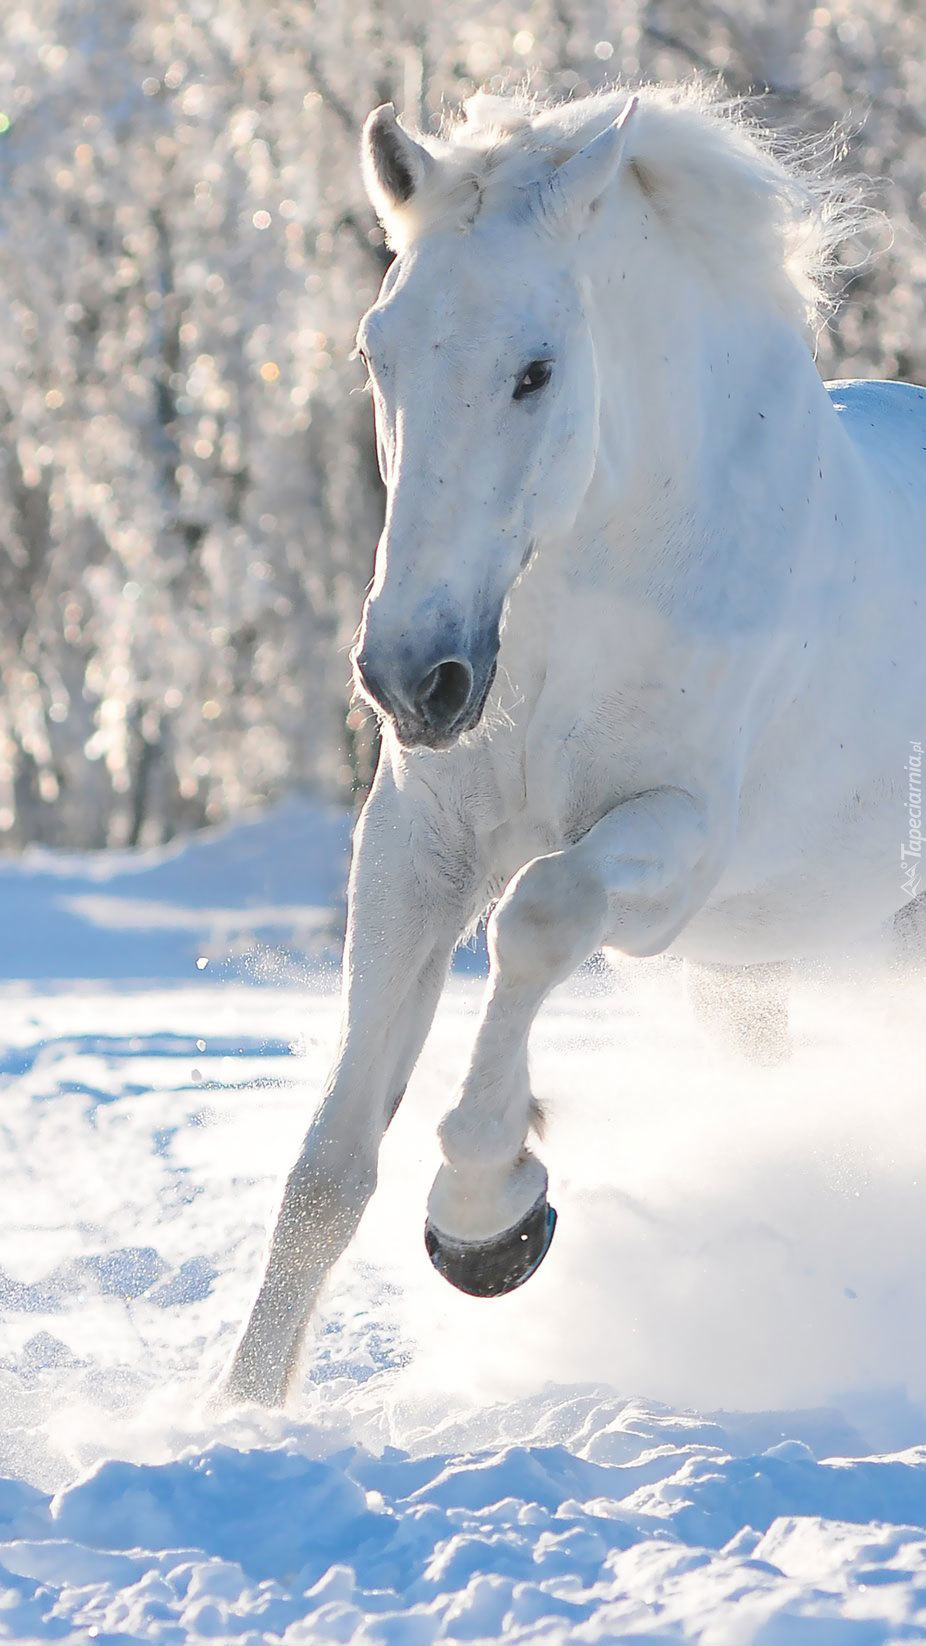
[[703, 1420], [124, 914]]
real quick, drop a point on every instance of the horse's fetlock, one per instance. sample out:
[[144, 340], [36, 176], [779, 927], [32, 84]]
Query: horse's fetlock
[[479, 1147]]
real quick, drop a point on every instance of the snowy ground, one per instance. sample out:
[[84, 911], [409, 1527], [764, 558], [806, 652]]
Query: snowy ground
[[704, 1419]]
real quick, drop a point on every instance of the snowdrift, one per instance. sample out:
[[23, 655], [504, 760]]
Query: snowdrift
[[702, 1420]]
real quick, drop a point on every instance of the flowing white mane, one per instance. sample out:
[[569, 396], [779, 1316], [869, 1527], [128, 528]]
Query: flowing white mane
[[754, 211]]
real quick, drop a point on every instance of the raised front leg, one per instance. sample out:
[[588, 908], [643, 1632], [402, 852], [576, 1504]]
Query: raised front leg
[[632, 882], [406, 908]]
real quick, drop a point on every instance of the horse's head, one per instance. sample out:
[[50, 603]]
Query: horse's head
[[485, 388]]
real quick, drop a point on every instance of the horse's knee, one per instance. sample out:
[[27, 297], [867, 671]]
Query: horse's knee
[[488, 1135], [549, 920]]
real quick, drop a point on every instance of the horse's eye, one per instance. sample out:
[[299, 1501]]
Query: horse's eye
[[536, 377]]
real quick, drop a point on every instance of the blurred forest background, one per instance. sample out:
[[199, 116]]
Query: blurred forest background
[[188, 493]]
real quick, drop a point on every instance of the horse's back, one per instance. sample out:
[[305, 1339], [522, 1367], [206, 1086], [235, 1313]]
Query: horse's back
[[858, 394], [886, 423]]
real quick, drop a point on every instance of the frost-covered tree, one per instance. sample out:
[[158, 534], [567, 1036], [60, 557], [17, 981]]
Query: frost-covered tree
[[188, 493]]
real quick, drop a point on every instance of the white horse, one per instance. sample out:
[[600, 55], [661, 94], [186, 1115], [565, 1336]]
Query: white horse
[[647, 631]]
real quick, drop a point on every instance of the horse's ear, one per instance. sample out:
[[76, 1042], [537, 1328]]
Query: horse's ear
[[394, 165], [563, 200]]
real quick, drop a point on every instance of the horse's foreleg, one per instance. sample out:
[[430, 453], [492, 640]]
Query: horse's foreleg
[[632, 882], [402, 925]]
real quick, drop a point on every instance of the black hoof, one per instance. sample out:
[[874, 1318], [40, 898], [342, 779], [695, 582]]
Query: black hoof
[[490, 1268]]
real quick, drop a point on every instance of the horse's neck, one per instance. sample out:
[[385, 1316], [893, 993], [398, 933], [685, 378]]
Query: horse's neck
[[696, 384], [711, 412]]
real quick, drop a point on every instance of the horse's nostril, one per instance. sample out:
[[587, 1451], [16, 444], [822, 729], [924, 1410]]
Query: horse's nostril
[[444, 692]]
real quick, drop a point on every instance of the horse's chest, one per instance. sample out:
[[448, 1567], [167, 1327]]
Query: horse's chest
[[546, 798], [578, 765]]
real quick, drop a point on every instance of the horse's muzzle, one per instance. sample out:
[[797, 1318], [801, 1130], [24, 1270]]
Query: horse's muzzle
[[490, 1268], [445, 701]]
